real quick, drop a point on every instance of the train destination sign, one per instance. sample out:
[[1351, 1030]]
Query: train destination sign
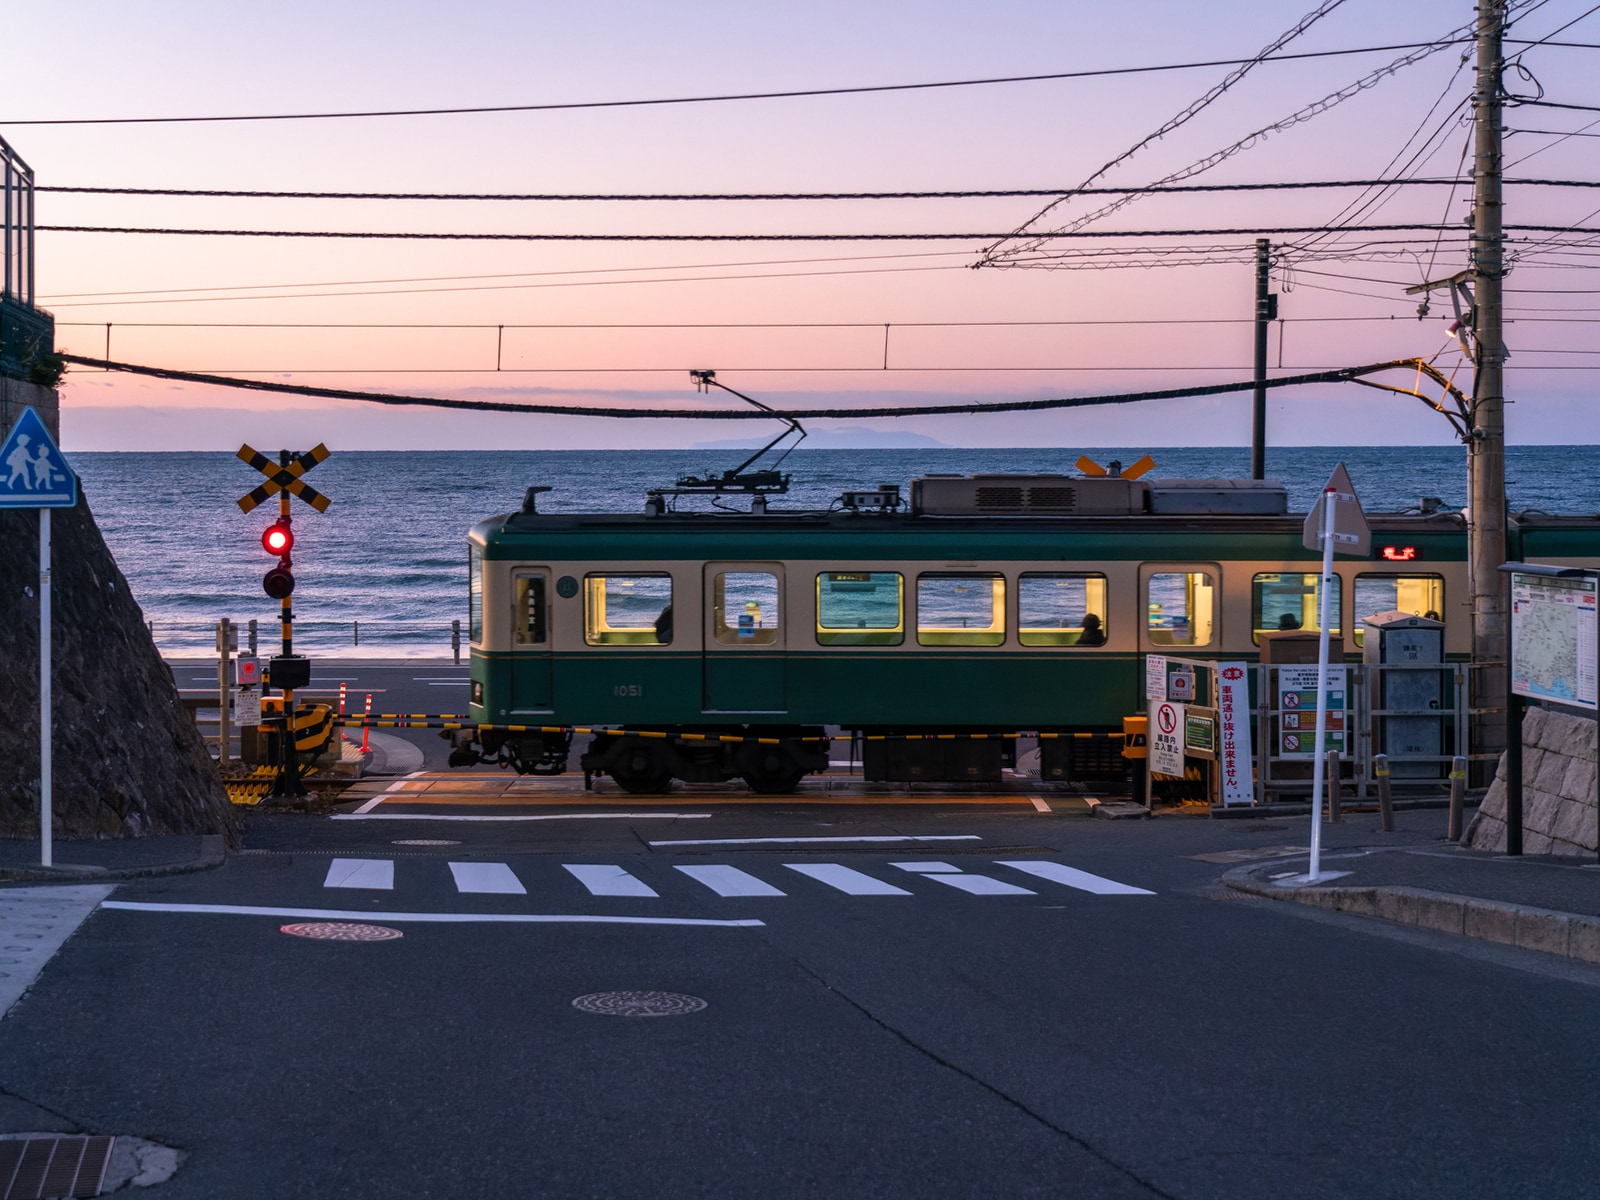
[[1553, 638]]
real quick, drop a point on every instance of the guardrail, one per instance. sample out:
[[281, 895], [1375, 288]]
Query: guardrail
[[262, 636]]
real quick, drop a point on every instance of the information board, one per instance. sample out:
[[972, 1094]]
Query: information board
[[1200, 732], [1553, 642], [1297, 722], [1155, 678]]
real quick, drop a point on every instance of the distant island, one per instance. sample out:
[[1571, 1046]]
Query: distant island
[[849, 437]]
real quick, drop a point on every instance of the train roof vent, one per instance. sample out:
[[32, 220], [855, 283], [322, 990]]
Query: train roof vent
[[1219, 497], [1026, 495]]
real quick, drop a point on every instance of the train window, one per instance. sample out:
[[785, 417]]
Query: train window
[[530, 614], [1284, 600], [961, 610], [1180, 608], [744, 608], [1419, 595], [860, 608], [627, 610], [1054, 610], [475, 594]]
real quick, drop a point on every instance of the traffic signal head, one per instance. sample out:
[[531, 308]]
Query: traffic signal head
[[278, 539], [278, 583]]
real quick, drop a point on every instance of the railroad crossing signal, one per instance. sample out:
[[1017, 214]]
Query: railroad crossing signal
[[284, 477]]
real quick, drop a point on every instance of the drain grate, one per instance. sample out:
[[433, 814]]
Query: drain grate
[[639, 1004], [341, 931], [427, 842], [33, 1168]]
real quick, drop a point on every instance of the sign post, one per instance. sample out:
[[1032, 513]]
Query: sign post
[[37, 475], [1336, 518]]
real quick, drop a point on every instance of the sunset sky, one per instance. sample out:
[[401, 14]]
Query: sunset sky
[[291, 309]]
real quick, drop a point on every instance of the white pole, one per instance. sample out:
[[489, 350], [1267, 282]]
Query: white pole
[[1328, 501], [46, 850]]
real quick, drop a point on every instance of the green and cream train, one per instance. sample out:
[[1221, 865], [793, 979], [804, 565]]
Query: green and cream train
[[986, 604]]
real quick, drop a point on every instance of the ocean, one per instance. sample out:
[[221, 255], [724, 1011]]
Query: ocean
[[383, 572]]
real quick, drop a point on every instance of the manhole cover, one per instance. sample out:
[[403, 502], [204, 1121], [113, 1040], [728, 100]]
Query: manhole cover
[[341, 931], [427, 842], [639, 1004]]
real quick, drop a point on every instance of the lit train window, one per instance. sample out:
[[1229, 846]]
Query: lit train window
[[1283, 600], [860, 608], [1180, 608], [961, 610], [1419, 595], [627, 610], [744, 608], [529, 615], [1055, 610], [475, 595]]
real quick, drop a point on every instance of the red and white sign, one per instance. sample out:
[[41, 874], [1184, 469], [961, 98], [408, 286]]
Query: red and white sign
[[1234, 759], [1166, 738]]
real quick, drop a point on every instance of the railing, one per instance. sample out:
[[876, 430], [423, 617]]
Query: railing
[[16, 261], [261, 637]]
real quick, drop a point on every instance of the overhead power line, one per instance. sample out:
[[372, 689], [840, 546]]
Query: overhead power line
[[652, 197], [1339, 375], [369, 235], [799, 93]]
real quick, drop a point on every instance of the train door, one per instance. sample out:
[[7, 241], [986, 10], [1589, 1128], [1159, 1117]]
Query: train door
[[530, 640], [745, 668], [1182, 608]]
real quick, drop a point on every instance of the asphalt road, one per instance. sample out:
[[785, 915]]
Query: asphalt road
[[1124, 1032]]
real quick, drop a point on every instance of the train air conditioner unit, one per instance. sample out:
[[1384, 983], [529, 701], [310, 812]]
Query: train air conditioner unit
[[1028, 495]]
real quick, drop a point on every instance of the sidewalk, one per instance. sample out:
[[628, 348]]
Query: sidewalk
[[1535, 902], [108, 860]]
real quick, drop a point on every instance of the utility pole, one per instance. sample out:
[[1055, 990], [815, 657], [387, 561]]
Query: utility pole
[[1266, 313], [1486, 452]]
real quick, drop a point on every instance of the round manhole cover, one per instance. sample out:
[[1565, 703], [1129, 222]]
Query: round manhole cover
[[427, 842], [341, 931], [639, 1004]]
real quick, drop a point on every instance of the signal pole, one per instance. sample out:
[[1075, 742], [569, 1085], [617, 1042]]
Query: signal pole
[[1266, 313], [1486, 452]]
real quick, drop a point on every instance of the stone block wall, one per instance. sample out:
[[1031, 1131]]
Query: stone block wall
[[1558, 789], [18, 394]]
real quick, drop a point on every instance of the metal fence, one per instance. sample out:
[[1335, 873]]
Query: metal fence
[[16, 278], [326, 637]]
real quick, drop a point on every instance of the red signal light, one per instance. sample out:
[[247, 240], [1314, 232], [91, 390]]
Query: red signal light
[[277, 539]]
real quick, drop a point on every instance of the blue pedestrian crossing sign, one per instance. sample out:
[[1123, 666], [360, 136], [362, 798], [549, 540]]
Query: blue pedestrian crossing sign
[[33, 471]]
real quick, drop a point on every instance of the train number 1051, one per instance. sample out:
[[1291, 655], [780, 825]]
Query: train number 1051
[[627, 689]]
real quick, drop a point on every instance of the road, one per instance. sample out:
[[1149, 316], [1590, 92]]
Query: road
[[997, 1002]]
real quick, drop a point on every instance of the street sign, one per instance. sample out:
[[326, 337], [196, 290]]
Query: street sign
[[1233, 717], [33, 471], [1155, 678], [1351, 533], [247, 708], [249, 670], [284, 478], [1166, 738]]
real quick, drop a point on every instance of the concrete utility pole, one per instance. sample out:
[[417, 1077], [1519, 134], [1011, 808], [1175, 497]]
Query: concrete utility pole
[[1266, 313], [1486, 452]]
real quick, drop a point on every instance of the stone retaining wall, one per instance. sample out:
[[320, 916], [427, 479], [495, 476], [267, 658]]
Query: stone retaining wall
[[1558, 789]]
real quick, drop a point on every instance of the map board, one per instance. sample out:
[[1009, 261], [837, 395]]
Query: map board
[[1553, 642]]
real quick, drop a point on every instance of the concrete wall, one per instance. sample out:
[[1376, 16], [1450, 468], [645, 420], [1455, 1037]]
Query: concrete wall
[[1558, 789], [17, 394]]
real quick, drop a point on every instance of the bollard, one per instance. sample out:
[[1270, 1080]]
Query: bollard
[[252, 637], [1380, 771], [364, 729], [227, 643], [356, 625], [342, 687], [1332, 771], [455, 640], [1458, 796]]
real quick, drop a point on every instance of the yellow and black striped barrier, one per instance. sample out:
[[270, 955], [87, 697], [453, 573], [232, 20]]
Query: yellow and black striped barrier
[[425, 721]]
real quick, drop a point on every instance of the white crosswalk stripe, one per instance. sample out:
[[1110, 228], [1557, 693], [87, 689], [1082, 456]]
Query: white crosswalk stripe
[[374, 873], [607, 880], [490, 878], [730, 881], [613, 880], [1074, 878], [847, 880]]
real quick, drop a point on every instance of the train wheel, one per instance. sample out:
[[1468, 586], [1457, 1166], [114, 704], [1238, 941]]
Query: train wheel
[[773, 772], [642, 769]]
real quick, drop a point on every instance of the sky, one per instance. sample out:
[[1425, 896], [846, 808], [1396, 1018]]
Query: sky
[[826, 323]]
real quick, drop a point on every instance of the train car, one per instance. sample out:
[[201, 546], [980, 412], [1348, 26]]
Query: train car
[[724, 644]]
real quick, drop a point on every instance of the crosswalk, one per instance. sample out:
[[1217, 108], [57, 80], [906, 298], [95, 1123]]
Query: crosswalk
[[614, 881]]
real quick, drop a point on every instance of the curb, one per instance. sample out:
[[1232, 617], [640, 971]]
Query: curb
[[211, 856], [1570, 935]]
